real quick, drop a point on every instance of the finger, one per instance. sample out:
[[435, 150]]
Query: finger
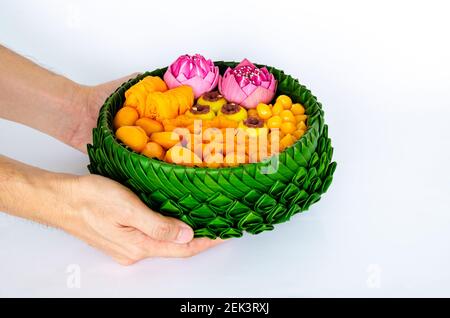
[[196, 246], [159, 227]]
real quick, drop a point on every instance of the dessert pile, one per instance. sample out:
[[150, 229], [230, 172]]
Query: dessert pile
[[195, 116]]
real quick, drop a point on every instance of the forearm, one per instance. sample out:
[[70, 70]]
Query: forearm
[[117, 223], [33, 193], [36, 97]]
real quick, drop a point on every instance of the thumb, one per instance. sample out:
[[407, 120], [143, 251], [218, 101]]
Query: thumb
[[160, 227]]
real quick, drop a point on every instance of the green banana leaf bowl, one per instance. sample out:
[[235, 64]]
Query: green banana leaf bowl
[[222, 202]]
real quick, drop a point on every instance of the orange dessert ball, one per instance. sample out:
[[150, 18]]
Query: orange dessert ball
[[166, 139], [126, 116], [149, 125], [132, 136], [180, 155], [153, 150]]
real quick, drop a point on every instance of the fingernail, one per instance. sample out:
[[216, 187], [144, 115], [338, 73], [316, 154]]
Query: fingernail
[[184, 235]]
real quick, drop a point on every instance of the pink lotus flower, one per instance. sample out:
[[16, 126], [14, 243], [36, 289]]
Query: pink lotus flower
[[195, 71], [247, 85]]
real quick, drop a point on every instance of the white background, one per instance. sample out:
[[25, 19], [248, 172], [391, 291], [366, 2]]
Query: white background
[[381, 70]]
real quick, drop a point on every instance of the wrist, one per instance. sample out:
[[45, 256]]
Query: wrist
[[35, 194], [74, 110], [56, 191]]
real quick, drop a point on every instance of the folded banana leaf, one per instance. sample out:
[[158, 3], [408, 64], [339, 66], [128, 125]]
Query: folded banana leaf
[[223, 202]]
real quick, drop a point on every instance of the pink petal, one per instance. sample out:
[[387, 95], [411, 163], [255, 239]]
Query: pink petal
[[265, 75], [201, 65], [184, 67], [220, 84], [190, 70], [245, 62], [226, 74], [249, 88], [175, 66], [210, 64], [215, 79], [181, 78], [260, 95], [198, 84], [190, 66], [231, 91], [170, 80], [210, 77], [273, 83], [265, 84]]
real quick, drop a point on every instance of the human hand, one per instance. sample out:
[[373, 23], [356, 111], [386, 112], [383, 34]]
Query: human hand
[[111, 218], [87, 102], [95, 209]]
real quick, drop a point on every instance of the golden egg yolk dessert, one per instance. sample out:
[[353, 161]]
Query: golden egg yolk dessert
[[254, 126], [203, 112], [213, 100], [233, 111]]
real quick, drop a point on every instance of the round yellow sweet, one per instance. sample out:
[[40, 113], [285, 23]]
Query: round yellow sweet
[[297, 109], [274, 122], [277, 108], [264, 111], [285, 101], [287, 115], [288, 127]]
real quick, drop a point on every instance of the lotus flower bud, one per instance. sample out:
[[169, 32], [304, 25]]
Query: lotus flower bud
[[248, 85], [195, 71]]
